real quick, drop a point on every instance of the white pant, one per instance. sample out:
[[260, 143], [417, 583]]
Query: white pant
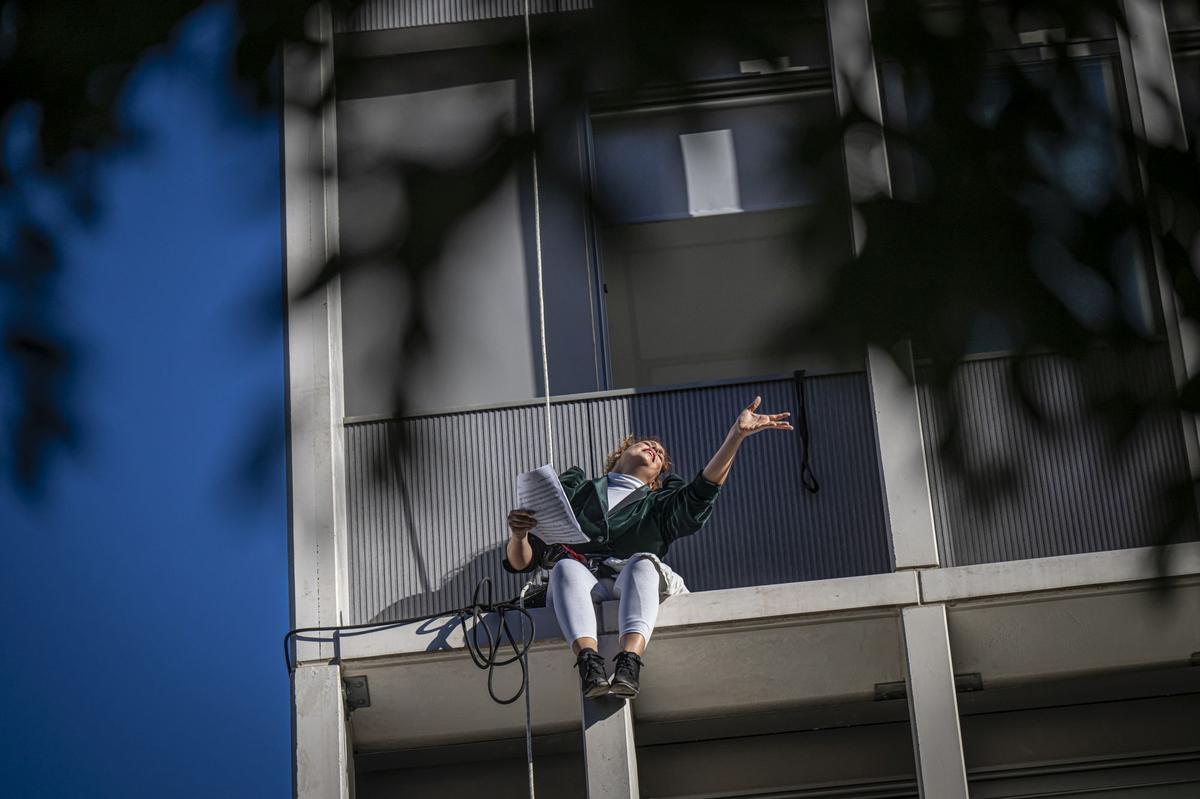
[[574, 593]]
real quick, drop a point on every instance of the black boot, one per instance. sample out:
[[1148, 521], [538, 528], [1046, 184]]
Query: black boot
[[591, 673], [625, 678]]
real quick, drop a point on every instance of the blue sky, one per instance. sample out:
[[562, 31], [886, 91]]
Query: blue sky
[[146, 593]]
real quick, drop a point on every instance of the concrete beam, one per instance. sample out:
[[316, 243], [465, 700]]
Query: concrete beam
[[323, 755], [933, 703], [828, 660], [735, 607], [767, 604], [1086, 631], [793, 662], [1062, 572]]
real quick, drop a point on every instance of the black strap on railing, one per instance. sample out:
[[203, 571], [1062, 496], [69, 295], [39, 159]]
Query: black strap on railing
[[807, 478]]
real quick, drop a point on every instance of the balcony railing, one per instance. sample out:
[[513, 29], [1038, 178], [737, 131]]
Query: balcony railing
[[1064, 485], [422, 535], [425, 529]]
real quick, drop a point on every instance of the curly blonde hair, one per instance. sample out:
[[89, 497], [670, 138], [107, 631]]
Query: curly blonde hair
[[628, 442]]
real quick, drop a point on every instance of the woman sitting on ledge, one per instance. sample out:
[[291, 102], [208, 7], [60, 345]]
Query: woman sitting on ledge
[[631, 514]]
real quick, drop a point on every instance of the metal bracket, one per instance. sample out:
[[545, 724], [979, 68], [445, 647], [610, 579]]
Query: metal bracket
[[963, 683], [358, 693], [890, 690]]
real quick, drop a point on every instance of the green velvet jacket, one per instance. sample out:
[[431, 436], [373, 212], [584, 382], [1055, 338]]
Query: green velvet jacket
[[645, 521]]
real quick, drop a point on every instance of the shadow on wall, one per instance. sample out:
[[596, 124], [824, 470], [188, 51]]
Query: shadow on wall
[[457, 590], [435, 626], [426, 527]]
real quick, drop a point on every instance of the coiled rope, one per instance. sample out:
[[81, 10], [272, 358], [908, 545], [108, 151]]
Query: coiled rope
[[485, 657]]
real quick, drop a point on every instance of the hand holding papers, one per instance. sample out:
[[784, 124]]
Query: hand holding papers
[[540, 492]]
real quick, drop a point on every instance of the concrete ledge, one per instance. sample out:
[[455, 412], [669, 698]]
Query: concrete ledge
[[765, 605], [1066, 571], [795, 646], [762, 604]]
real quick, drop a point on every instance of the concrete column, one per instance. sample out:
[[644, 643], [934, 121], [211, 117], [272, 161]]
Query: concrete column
[[608, 749], [1149, 50], [322, 752], [902, 465], [893, 396], [1158, 116], [314, 356], [856, 85], [609, 756], [933, 703]]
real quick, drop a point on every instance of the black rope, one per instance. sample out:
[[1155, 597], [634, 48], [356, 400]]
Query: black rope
[[489, 662], [477, 611], [807, 478]]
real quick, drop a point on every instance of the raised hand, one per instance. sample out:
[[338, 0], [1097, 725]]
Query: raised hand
[[750, 422]]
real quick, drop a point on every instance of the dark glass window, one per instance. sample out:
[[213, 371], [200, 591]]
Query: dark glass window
[[1085, 164], [1182, 14], [701, 208], [1187, 77]]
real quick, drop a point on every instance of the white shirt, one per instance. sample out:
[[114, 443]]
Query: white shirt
[[620, 486]]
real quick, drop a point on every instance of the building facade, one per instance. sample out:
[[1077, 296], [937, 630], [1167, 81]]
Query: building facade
[[881, 635]]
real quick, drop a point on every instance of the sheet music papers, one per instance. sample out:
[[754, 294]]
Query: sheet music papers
[[540, 492]]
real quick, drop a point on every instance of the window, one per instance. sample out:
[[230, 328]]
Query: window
[[701, 203], [435, 111], [1181, 14], [1086, 164]]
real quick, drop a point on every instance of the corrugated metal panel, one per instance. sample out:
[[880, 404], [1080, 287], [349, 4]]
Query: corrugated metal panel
[[459, 470], [376, 15], [767, 528], [1072, 492]]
